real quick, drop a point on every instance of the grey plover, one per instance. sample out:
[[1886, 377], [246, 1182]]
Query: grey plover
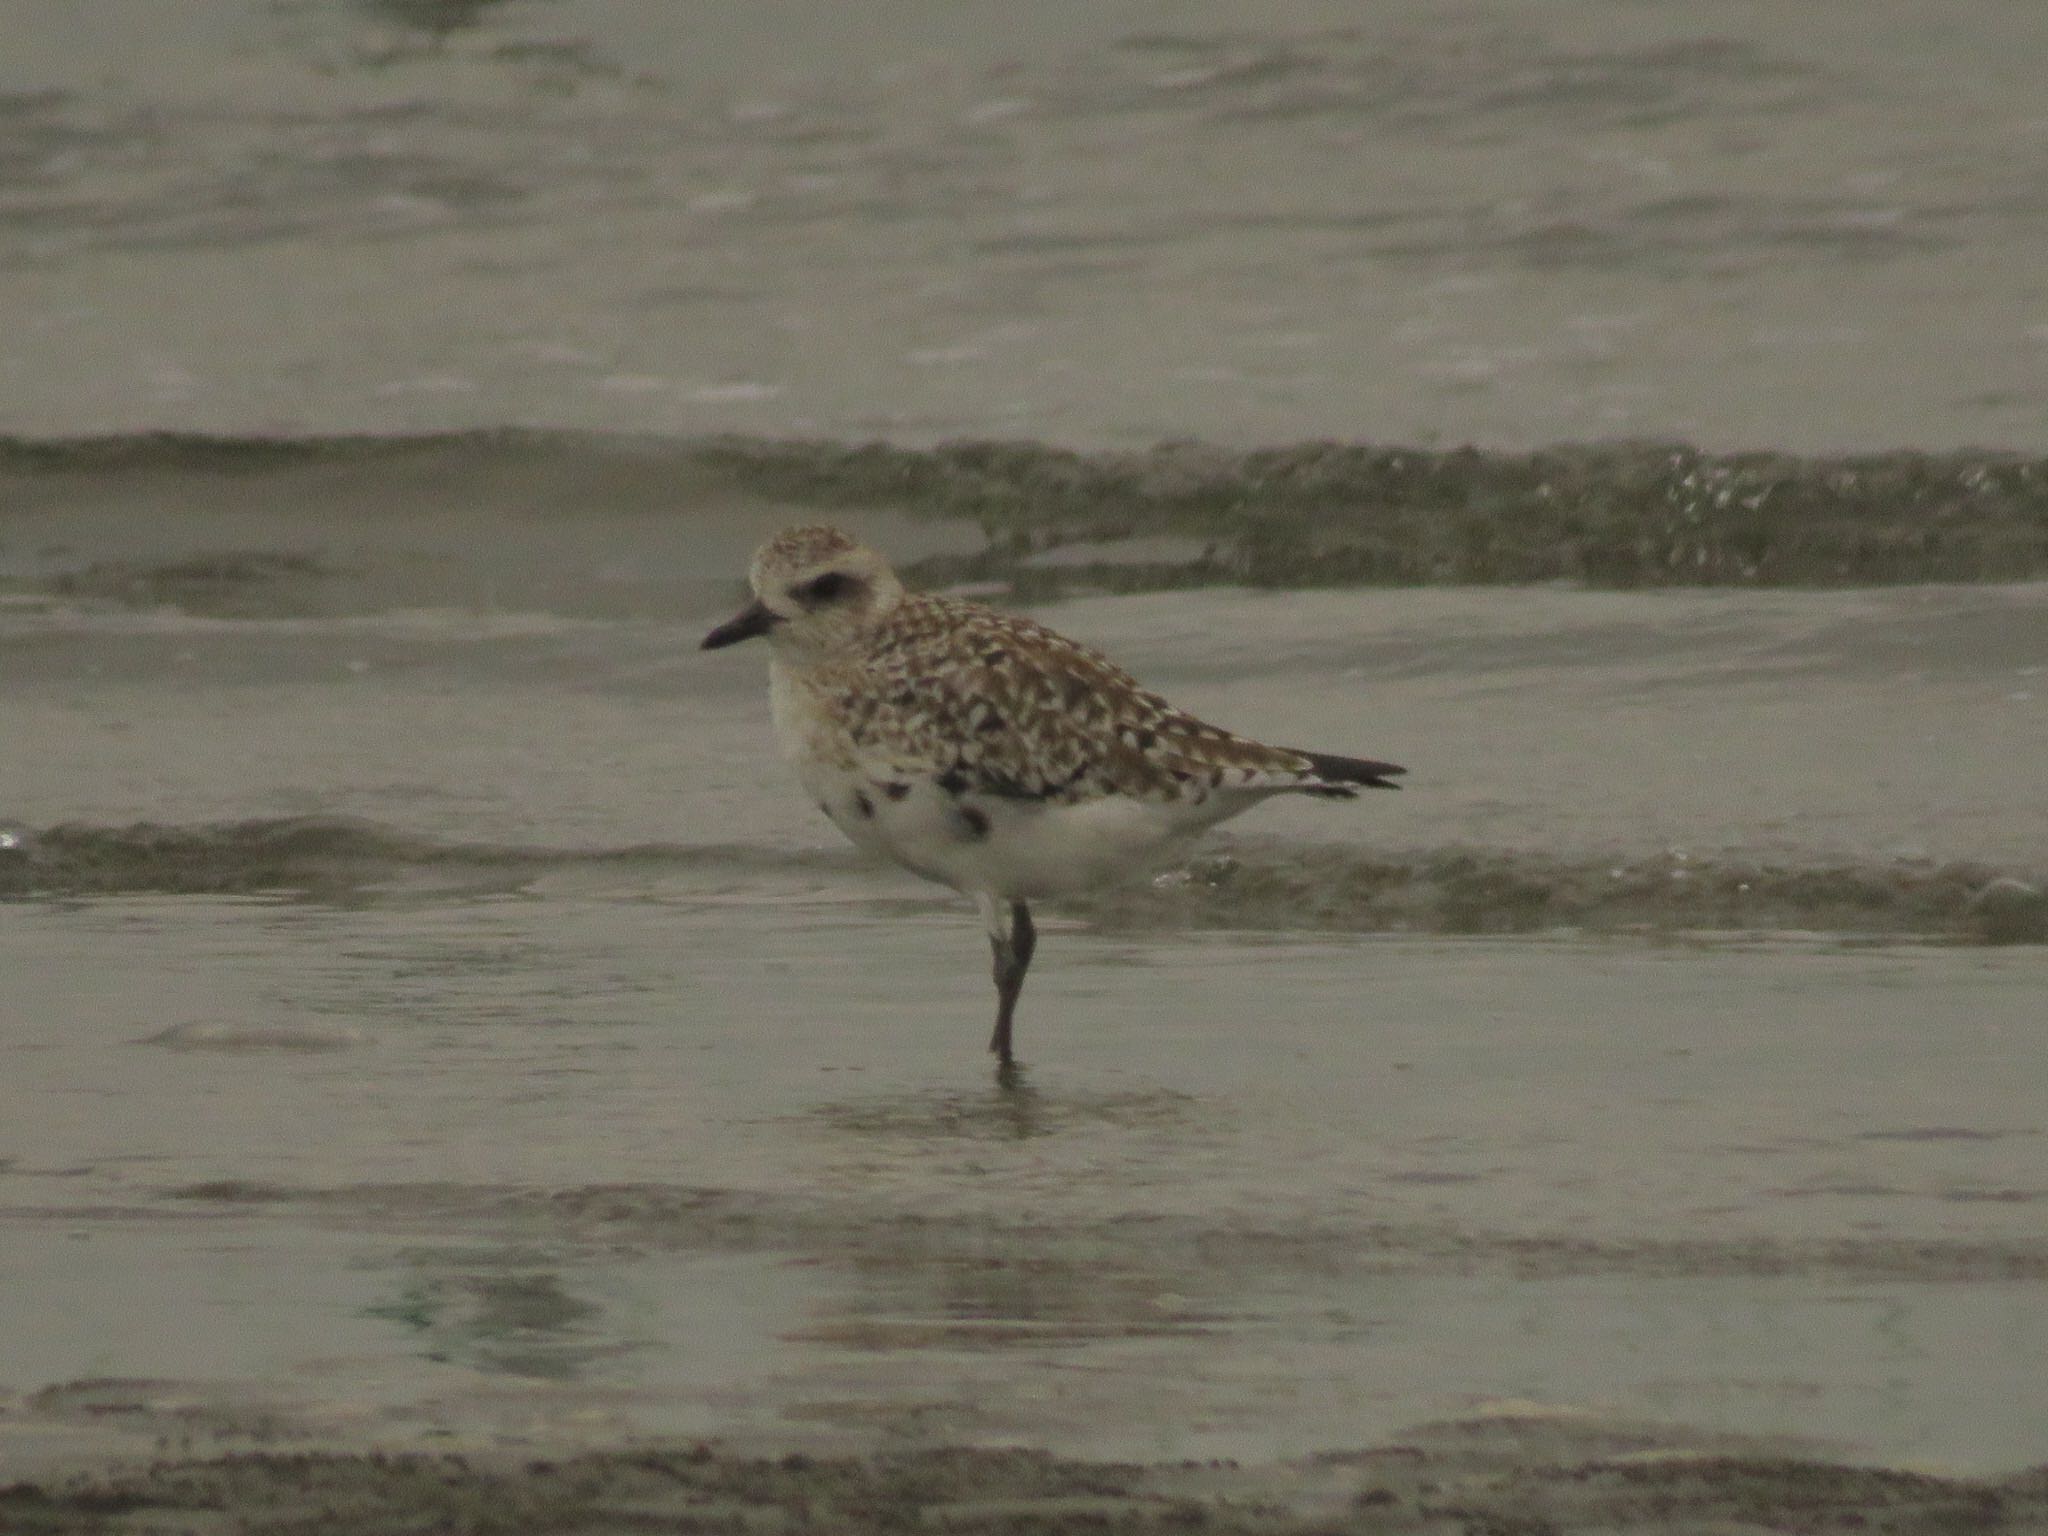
[[986, 752]]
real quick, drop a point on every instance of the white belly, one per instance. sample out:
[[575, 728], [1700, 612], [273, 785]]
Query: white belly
[[1015, 849]]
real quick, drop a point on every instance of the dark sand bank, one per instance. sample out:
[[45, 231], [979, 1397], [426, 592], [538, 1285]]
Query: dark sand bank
[[1618, 515], [1493, 1477]]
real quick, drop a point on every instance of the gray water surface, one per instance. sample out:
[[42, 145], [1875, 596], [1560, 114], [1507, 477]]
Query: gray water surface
[[1806, 227]]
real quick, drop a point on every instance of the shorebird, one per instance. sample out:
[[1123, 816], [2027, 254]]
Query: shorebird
[[984, 751]]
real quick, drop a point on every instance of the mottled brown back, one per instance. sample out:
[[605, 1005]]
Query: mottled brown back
[[1000, 705]]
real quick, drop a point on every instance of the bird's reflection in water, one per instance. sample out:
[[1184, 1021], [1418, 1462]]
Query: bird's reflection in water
[[1017, 1102], [1013, 1108]]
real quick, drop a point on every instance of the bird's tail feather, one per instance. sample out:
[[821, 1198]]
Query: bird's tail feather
[[1343, 777]]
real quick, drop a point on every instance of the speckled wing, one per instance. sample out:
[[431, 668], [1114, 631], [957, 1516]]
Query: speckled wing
[[994, 704]]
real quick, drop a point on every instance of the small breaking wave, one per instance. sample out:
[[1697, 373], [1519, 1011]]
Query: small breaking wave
[[315, 856], [1252, 884], [1501, 891], [1343, 514], [1626, 514]]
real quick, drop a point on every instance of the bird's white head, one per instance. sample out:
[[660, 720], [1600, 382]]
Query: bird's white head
[[815, 591]]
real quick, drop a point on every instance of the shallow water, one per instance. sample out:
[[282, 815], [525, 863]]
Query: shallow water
[[478, 1031], [715, 1164], [497, 687]]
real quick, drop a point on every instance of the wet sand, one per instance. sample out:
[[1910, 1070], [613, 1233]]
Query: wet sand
[[1501, 1474]]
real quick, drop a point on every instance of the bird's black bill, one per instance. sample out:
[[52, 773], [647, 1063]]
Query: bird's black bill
[[752, 620]]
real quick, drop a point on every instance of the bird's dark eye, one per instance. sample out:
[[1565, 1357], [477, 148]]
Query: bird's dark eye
[[823, 589]]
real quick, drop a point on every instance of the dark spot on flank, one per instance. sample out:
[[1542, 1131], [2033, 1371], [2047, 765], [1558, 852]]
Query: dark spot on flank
[[895, 791], [976, 821], [953, 781], [906, 699], [863, 804], [990, 658], [1142, 740], [989, 722], [826, 809]]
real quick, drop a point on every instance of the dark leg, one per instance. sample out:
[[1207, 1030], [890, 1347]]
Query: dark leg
[[1012, 938]]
